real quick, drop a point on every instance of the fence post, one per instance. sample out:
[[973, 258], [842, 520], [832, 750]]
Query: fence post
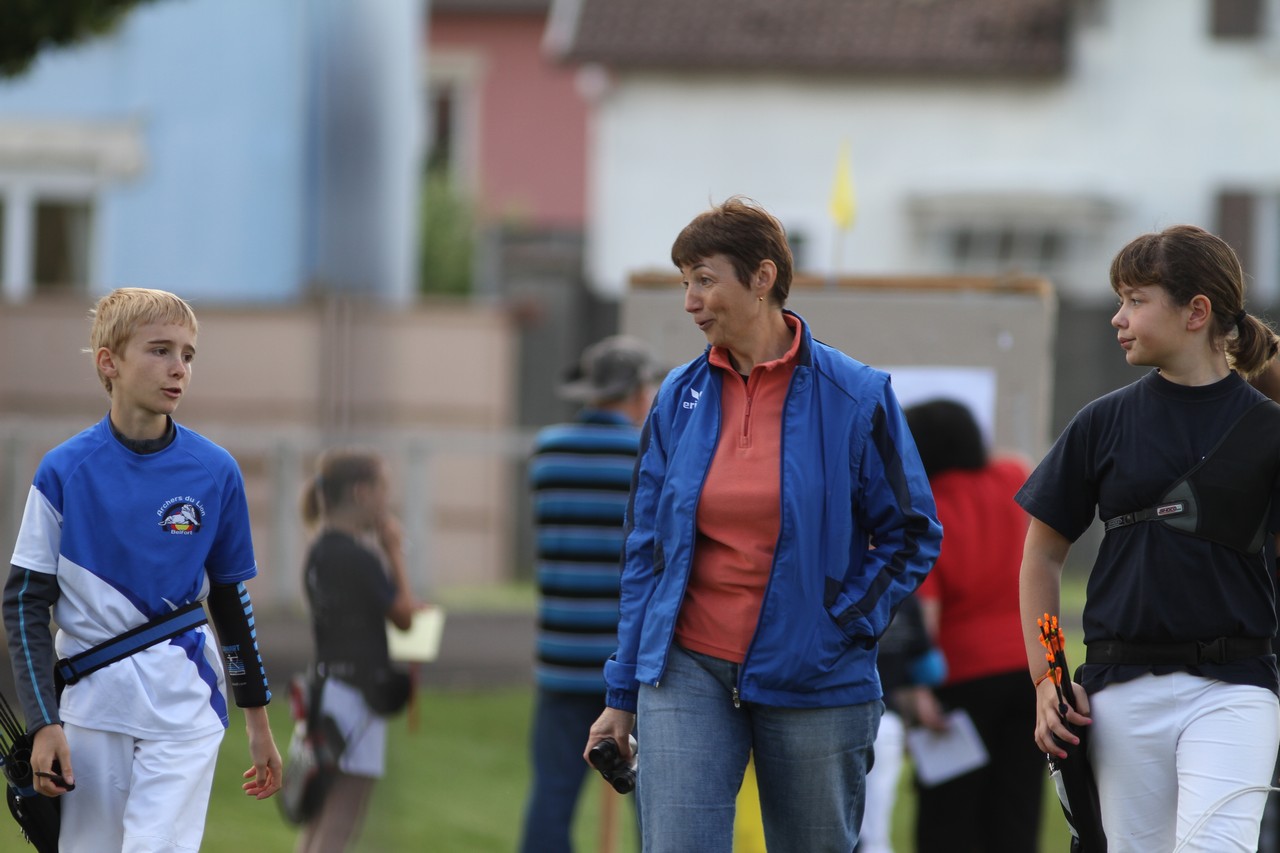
[[419, 517]]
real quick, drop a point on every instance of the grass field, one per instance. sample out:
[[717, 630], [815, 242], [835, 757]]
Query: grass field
[[457, 785], [456, 782]]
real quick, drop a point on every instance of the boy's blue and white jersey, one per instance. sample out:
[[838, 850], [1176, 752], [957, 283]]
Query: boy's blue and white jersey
[[131, 537]]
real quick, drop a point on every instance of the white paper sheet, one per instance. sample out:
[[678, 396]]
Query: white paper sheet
[[975, 387], [421, 643], [940, 756]]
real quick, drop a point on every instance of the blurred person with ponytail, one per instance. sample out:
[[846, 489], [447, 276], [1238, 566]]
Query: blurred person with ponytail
[[355, 583], [1179, 682]]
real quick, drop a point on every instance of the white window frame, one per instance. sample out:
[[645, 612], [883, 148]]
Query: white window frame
[[59, 161], [20, 195], [464, 71], [1264, 284]]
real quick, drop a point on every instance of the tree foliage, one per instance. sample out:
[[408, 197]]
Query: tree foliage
[[29, 26], [447, 238]]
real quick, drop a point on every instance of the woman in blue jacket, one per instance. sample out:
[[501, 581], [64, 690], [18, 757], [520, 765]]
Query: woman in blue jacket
[[779, 513]]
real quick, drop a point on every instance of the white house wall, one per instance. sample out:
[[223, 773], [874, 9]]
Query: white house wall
[[1153, 117]]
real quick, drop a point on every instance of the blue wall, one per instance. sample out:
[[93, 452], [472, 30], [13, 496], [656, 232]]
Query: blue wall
[[225, 207]]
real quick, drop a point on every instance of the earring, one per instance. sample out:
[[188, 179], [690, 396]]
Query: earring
[[761, 299]]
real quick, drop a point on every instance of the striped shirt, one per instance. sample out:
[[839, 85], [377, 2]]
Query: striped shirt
[[580, 474]]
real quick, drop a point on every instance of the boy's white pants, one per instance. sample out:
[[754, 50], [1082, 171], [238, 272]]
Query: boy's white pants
[[1171, 750], [136, 796]]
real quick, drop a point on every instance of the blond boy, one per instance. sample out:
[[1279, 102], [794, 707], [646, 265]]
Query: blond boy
[[130, 528]]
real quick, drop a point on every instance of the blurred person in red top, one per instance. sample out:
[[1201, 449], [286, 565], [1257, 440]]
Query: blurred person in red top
[[970, 602]]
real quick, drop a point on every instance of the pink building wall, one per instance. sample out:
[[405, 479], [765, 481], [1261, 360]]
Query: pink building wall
[[531, 162]]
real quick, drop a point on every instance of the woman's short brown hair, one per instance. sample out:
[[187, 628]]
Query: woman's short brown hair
[[745, 233]]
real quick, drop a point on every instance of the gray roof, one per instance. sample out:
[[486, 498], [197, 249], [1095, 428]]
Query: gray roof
[[907, 37]]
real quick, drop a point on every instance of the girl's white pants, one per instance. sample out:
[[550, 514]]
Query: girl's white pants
[[1174, 756]]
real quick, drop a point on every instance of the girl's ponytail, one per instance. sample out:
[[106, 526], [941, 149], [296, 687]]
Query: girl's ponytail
[[1253, 345], [310, 502], [337, 471]]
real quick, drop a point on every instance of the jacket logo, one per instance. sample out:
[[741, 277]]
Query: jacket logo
[[181, 516], [696, 395]]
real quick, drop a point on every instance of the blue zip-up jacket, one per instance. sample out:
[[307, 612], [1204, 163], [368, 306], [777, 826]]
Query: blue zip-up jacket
[[858, 532]]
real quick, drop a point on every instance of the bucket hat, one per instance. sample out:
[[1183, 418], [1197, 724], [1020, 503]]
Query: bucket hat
[[610, 369]]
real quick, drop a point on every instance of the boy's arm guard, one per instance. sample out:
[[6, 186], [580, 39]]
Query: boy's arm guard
[[28, 601], [232, 614]]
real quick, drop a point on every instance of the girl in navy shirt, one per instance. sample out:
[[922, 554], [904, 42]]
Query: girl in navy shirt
[[1179, 685]]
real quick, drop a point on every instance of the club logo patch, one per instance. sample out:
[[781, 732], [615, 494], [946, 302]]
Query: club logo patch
[[181, 516], [235, 664]]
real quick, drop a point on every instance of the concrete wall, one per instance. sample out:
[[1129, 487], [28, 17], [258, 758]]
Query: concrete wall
[[1003, 326], [430, 387]]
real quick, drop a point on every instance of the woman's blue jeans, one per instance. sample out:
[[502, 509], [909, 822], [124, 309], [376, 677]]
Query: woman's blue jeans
[[811, 764]]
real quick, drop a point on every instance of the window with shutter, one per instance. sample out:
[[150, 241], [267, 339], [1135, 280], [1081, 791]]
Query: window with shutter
[[1249, 220], [1237, 18], [1027, 234]]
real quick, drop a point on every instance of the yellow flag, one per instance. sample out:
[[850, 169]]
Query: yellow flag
[[843, 206]]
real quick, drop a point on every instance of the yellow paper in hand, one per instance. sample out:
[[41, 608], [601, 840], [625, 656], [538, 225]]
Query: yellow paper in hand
[[421, 643]]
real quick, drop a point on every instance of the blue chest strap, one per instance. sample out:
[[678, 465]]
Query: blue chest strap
[[72, 669]]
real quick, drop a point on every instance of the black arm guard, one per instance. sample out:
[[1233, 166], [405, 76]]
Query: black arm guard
[[232, 614], [28, 600]]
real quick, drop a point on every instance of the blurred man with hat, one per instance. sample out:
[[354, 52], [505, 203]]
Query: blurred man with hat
[[580, 476]]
